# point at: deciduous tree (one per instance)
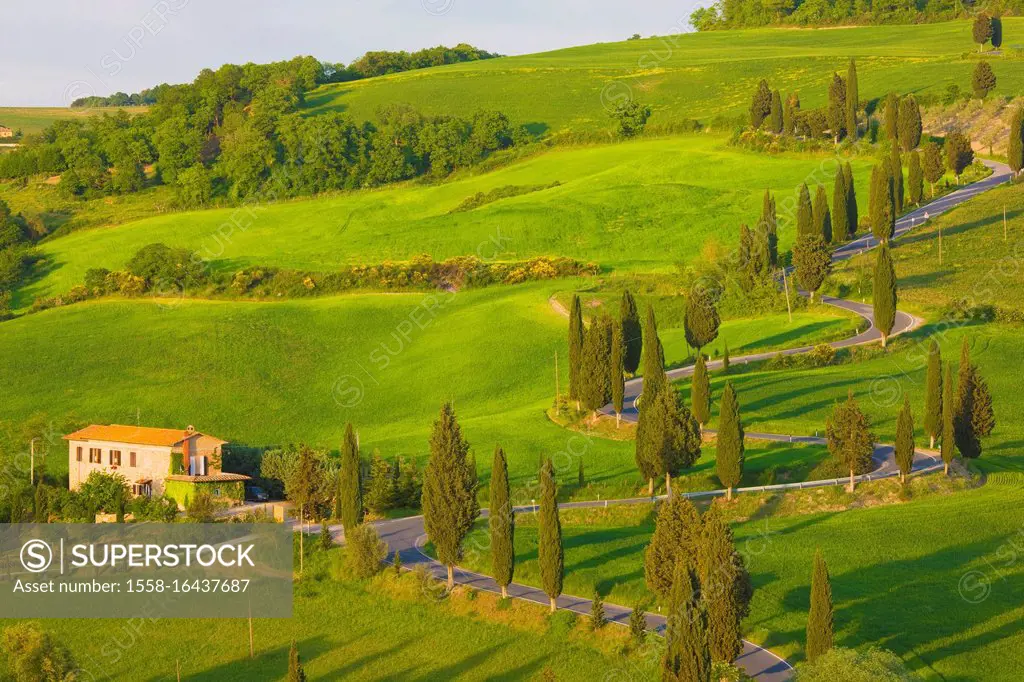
(812, 261)
(959, 153)
(981, 30)
(849, 437)
(983, 80)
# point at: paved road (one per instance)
(406, 536)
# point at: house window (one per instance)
(131, 459)
(115, 458)
(95, 456)
(78, 454)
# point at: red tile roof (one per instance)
(138, 435)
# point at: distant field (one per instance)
(33, 119)
(642, 205)
(696, 75)
(896, 576)
(296, 371)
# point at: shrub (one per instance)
(33, 655)
(873, 665)
(561, 623)
(200, 507)
(365, 551)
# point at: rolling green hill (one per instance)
(697, 75)
(31, 120)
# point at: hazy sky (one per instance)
(54, 51)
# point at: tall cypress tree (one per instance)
(840, 211)
(729, 460)
(701, 320)
(821, 215)
(725, 585)
(654, 382)
(549, 536)
(596, 384)
(760, 105)
(974, 417)
(502, 521)
(449, 491)
(836, 111)
(632, 335)
(849, 437)
(348, 504)
(769, 225)
(819, 618)
(909, 123)
(884, 293)
(700, 392)
(904, 449)
(915, 178)
(896, 166)
(653, 356)
(933, 165)
(615, 371)
(775, 123)
(804, 213)
(668, 437)
(933, 395)
(948, 446)
(676, 536)
(852, 100)
(687, 656)
(851, 201)
(1015, 145)
(576, 336)
(882, 203)
(891, 113)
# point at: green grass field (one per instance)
(30, 120)
(697, 75)
(898, 575)
(642, 206)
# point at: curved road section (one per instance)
(405, 537)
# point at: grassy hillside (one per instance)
(696, 75)
(33, 119)
(898, 574)
(639, 205)
(296, 371)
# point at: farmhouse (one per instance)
(6, 132)
(178, 462)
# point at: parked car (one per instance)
(254, 493)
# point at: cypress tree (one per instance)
(851, 201)
(348, 503)
(295, 670)
(701, 320)
(775, 122)
(973, 418)
(840, 211)
(933, 395)
(668, 438)
(948, 447)
(812, 261)
(915, 179)
(576, 336)
(653, 356)
(836, 112)
(790, 111)
(891, 112)
(596, 382)
(852, 100)
(884, 293)
(958, 152)
(597, 616)
(449, 491)
(997, 32)
(760, 105)
(904, 449)
(849, 438)
(804, 213)
(1015, 145)
(821, 216)
(933, 165)
(700, 392)
(502, 521)
(676, 536)
(615, 371)
(729, 461)
(725, 359)
(882, 202)
(549, 536)
(909, 123)
(581, 480)
(983, 81)
(687, 657)
(768, 225)
(819, 618)
(632, 336)
(896, 166)
(725, 585)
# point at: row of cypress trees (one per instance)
(767, 108)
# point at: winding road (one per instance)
(406, 536)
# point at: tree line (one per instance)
(238, 132)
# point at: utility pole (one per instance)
(32, 460)
(940, 245)
(1004, 222)
(556, 380)
(302, 553)
(252, 650)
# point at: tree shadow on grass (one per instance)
(916, 237)
(272, 661)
